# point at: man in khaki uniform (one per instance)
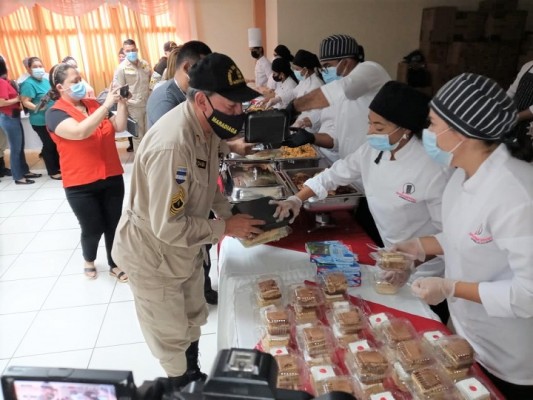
(135, 73)
(161, 235)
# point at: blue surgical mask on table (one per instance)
(37, 73)
(77, 91)
(132, 56)
(380, 141)
(298, 75)
(329, 74)
(429, 139)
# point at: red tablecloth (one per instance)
(347, 230)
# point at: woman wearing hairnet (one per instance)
(487, 229)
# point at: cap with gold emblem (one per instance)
(218, 73)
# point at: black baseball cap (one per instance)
(218, 73)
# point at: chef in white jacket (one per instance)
(282, 74)
(487, 235)
(402, 184)
(263, 68)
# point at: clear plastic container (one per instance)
(393, 260)
(376, 320)
(291, 372)
(431, 383)
(314, 340)
(473, 389)
(334, 286)
(381, 282)
(431, 337)
(305, 296)
(455, 354)
(336, 384)
(369, 366)
(304, 315)
(395, 330)
(346, 321)
(320, 373)
(269, 291)
(277, 320)
(408, 356)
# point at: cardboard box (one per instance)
(437, 24)
(469, 26)
(434, 52)
(508, 27)
(475, 56)
(498, 6)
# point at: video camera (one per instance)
(237, 374)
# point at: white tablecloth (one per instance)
(239, 267)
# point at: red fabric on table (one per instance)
(346, 230)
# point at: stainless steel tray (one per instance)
(336, 202)
(236, 191)
(272, 155)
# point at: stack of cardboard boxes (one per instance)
(487, 42)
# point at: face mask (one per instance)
(381, 141)
(298, 75)
(276, 78)
(77, 91)
(132, 56)
(255, 54)
(330, 74)
(225, 126)
(429, 139)
(37, 73)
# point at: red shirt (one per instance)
(8, 92)
(91, 159)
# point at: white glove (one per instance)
(272, 102)
(293, 203)
(412, 247)
(433, 290)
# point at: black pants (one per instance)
(510, 390)
(97, 206)
(50, 154)
(442, 311)
(207, 263)
(364, 218)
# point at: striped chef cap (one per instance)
(475, 106)
(338, 46)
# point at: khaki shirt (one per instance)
(174, 186)
(138, 79)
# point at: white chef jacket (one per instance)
(326, 124)
(305, 86)
(263, 69)
(351, 97)
(272, 84)
(404, 195)
(487, 237)
(284, 90)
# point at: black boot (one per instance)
(179, 382)
(193, 369)
(130, 147)
(3, 170)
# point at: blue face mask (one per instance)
(329, 74)
(37, 73)
(77, 91)
(381, 142)
(132, 56)
(298, 75)
(429, 139)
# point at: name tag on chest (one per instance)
(201, 163)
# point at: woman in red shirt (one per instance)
(84, 132)
(10, 123)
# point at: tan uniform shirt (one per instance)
(138, 79)
(173, 188)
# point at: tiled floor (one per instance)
(50, 314)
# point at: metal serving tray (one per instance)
(273, 155)
(337, 202)
(253, 187)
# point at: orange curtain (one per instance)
(93, 39)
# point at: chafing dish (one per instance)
(344, 198)
(251, 181)
(281, 157)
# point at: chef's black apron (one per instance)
(523, 99)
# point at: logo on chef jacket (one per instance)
(235, 76)
(407, 192)
(181, 175)
(479, 237)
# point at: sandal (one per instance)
(121, 276)
(90, 272)
(56, 177)
(24, 182)
(32, 175)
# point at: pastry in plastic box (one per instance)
(303, 315)
(393, 260)
(359, 345)
(336, 384)
(431, 337)
(320, 373)
(377, 319)
(369, 366)
(334, 286)
(472, 389)
(349, 321)
(269, 291)
(431, 383)
(267, 236)
(289, 371)
(409, 355)
(381, 282)
(396, 330)
(456, 355)
(276, 320)
(382, 396)
(315, 340)
(279, 351)
(274, 341)
(305, 296)
(365, 390)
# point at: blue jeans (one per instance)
(15, 136)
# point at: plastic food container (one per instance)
(455, 355)
(291, 371)
(268, 291)
(394, 331)
(336, 384)
(381, 284)
(393, 260)
(431, 383)
(369, 366)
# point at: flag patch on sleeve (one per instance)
(181, 175)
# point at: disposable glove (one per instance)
(272, 102)
(285, 207)
(433, 290)
(397, 278)
(412, 247)
(299, 138)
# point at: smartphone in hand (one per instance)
(125, 91)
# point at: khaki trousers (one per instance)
(139, 115)
(168, 296)
(3, 142)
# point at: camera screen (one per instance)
(40, 390)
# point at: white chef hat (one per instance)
(254, 37)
